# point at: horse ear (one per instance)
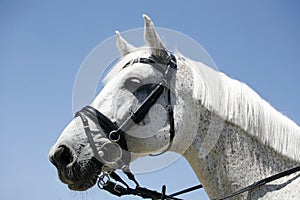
(123, 45)
(153, 40)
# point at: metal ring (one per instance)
(106, 169)
(114, 161)
(113, 134)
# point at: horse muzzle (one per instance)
(62, 158)
(76, 175)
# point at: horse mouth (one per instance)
(81, 176)
(83, 184)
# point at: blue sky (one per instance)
(43, 43)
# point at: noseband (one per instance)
(117, 133)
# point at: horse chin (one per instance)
(81, 175)
(83, 185)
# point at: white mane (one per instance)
(237, 103)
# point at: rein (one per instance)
(116, 135)
(118, 190)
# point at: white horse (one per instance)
(230, 136)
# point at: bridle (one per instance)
(116, 134)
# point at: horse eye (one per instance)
(132, 84)
(144, 91)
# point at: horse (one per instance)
(155, 101)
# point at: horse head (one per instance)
(131, 117)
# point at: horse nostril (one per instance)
(62, 157)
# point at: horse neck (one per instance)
(229, 158)
(223, 155)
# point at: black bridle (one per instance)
(116, 134)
